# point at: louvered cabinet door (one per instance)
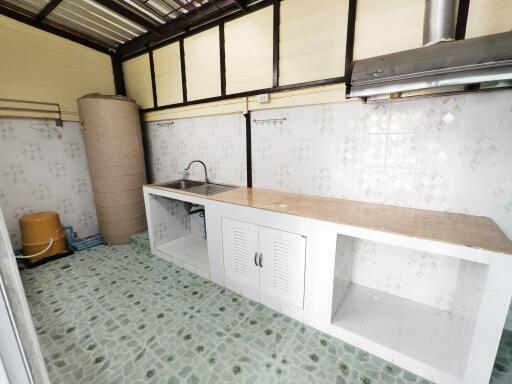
(283, 258)
(240, 244)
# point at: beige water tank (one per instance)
(113, 144)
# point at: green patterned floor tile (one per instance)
(117, 314)
(369, 369)
(502, 372)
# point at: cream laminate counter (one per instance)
(454, 228)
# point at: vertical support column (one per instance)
(222, 51)
(153, 81)
(117, 71)
(462, 20)
(183, 73)
(276, 38)
(248, 148)
(349, 49)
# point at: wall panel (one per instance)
(39, 66)
(43, 167)
(486, 17)
(313, 39)
(217, 140)
(249, 51)
(202, 64)
(389, 26)
(168, 74)
(137, 78)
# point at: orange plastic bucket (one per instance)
(38, 230)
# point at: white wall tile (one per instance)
(43, 167)
(443, 153)
(219, 141)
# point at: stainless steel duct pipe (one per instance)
(439, 21)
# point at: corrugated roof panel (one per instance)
(105, 12)
(88, 21)
(182, 7)
(70, 23)
(34, 6)
(143, 10)
(91, 18)
(108, 23)
(160, 6)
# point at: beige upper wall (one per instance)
(167, 66)
(249, 51)
(39, 66)
(312, 46)
(137, 80)
(202, 64)
(388, 26)
(312, 40)
(486, 17)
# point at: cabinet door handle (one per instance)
(261, 260)
(255, 258)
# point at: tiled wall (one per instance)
(43, 167)
(441, 153)
(217, 140)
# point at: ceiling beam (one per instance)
(31, 20)
(50, 6)
(200, 18)
(128, 14)
(242, 4)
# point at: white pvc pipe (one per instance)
(38, 253)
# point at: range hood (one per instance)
(439, 63)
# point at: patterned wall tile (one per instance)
(441, 153)
(218, 140)
(444, 113)
(407, 116)
(402, 150)
(43, 167)
(394, 270)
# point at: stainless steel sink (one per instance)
(199, 187)
(182, 184)
(208, 189)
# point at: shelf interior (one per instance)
(428, 335)
(191, 248)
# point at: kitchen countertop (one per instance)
(454, 228)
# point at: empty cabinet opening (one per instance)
(179, 233)
(420, 305)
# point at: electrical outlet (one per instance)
(263, 98)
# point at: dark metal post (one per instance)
(276, 38)
(349, 49)
(222, 50)
(117, 70)
(153, 81)
(183, 73)
(462, 20)
(248, 147)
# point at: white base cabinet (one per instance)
(269, 261)
(269, 266)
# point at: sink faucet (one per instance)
(186, 172)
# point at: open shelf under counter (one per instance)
(190, 250)
(412, 334)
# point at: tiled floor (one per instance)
(119, 315)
